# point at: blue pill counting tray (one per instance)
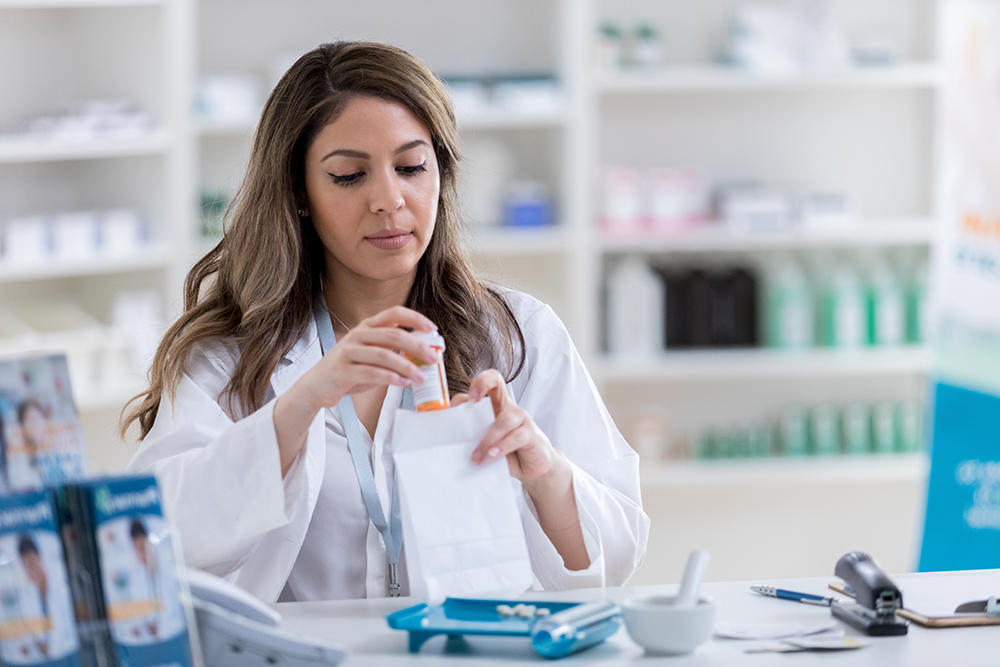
(564, 631)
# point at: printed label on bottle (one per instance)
(433, 390)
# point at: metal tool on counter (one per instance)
(990, 607)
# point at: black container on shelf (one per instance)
(710, 308)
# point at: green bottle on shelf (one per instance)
(857, 427)
(794, 427)
(824, 428)
(911, 426)
(760, 440)
(885, 428)
(790, 307)
(916, 305)
(844, 311)
(887, 323)
(704, 445)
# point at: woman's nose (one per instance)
(387, 195)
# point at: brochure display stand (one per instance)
(962, 527)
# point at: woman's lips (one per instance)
(390, 240)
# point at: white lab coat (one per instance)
(222, 485)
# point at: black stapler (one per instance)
(876, 598)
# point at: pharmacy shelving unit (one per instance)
(867, 130)
(65, 52)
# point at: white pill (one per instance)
(543, 611)
(505, 610)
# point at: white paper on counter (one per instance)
(461, 524)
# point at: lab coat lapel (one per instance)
(266, 572)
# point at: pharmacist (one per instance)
(348, 211)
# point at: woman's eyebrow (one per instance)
(347, 152)
(412, 144)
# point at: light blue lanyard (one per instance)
(392, 534)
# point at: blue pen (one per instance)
(805, 598)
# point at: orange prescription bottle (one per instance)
(432, 394)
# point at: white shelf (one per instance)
(717, 238)
(695, 365)
(506, 120)
(20, 149)
(708, 78)
(153, 257)
(74, 4)
(781, 471)
(524, 241)
(237, 130)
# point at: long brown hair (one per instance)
(266, 269)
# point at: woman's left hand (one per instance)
(544, 472)
(530, 456)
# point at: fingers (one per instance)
(379, 357)
(496, 442)
(490, 383)
(392, 339)
(458, 399)
(400, 316)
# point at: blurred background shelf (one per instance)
(18, 149)
(527, 241)
(152, 258)
(225, 129)
(691, 79)
(75, 4)
(718, 365)
(787, 471)
(717, 238)
(505, 120)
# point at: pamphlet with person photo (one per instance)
(41, 441)
(37, 626)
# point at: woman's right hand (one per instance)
(367, 356)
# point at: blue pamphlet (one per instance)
(132, 551)
(36, 608)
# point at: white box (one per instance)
(26, 241)
(75, 236)
(123, 232)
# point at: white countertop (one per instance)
(360, 626)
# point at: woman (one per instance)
(347, 218)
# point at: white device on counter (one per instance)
(238, 630)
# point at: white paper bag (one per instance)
(461, 524)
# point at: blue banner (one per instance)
(962, 528)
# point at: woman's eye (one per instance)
(347, 179)
(412, 170)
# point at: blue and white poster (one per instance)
(962, 524)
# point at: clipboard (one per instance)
(956, 621)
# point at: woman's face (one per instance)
(372, 181)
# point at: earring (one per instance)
(302, 214)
